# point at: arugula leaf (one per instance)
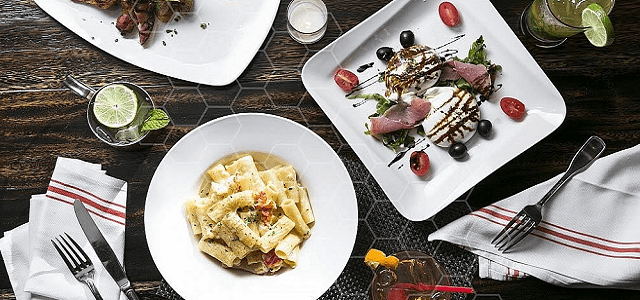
(463, 84)
(392, 140)
(375, 96)
(383, 103)
(420, 130)
(477, 53)
(396, 139)
(157, 119)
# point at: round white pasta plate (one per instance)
(194, 274)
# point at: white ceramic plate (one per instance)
(416, 198)
(193, 274)
(216, 55)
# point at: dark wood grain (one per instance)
(41, 120)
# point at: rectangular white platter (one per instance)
(521, 77)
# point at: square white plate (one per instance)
(215, 55)
(417, 198)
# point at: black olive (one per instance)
(457, 150)
(384, 53)
(484, 128)
(407, 38)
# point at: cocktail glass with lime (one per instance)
(118, 113)
(550, 22)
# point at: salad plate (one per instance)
(195, 275)
(212, 45)
(418, 198)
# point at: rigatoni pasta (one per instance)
(251, 213)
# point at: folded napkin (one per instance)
(35, 269)
(589, 236)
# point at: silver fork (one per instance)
(528, 218)
(77, 261)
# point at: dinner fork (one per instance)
(78, 263)
(528, 218)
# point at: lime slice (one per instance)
(115, 106)
(600, 32)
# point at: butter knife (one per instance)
(103, 250)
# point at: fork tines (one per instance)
(72, 254)
(518, 228)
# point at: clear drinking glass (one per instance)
(550, 22)
(414, 267)
(306, 20)
(126, 137)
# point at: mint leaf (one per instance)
(157, 119)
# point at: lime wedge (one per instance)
(600, 32)
(115, 106)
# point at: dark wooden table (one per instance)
(40, 119)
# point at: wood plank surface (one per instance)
(41, 119)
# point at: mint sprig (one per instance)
(157, 119)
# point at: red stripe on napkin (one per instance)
(587, 243)
(87, 201)
(563, 228)
(88, 193)
(97, 214)
(562, 236)
(585, 250)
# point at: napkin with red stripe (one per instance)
(589, 236)
(35, 269)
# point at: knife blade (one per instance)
(103, 250)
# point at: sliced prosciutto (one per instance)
(477, 75)
(449, 72)
(401, 116)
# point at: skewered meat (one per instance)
(164, 11)
(142, 14)
(101, 4)
(144, 17)
(166, 8)
(138, 14)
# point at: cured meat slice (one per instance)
(401, 116)
(477, 75)
(448, 72)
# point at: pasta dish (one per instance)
(251, 213)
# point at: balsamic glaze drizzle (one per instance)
(360, 103)
(360, 86)
(402, 153)
(362, 68)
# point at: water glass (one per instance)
(306, 20)
(126, 137)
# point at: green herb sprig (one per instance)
(157, 119)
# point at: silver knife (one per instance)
(103, 250)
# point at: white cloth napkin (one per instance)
(35, 269)
(589, 236)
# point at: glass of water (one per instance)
(127, 136)
(306, 20)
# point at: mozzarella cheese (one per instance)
(412, 70)
(453, 118)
